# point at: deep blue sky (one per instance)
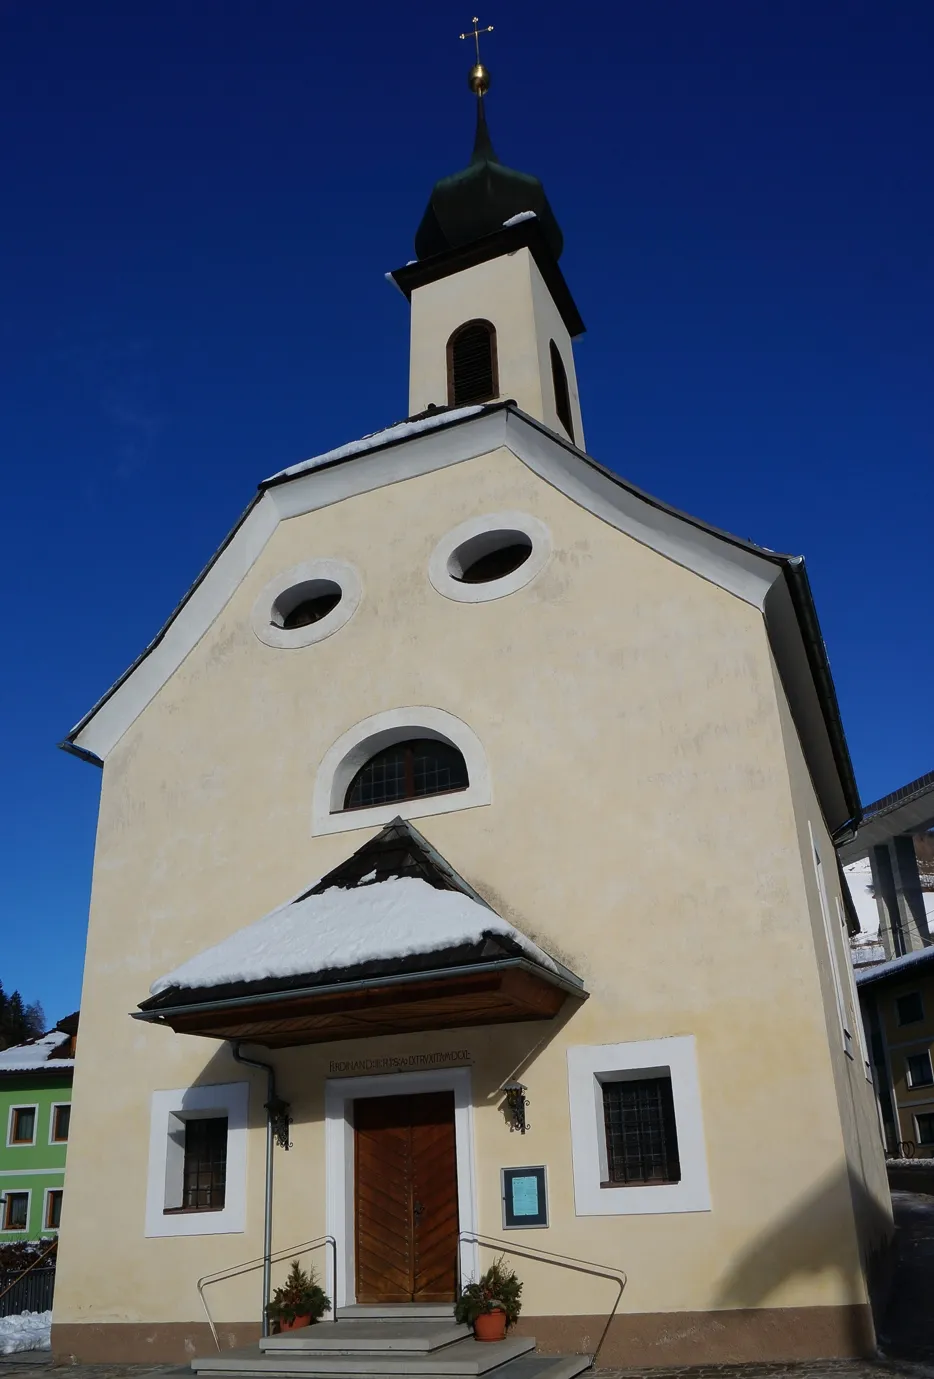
(200, 201)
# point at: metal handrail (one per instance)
(579, 1266)
(252, 1264)
(29, 1268)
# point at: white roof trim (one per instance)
(735, 568)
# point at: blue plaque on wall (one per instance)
(525, 1197)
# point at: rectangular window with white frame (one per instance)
(21, 1126)
(197, 1161)
(637, 1134)
(59, 1122)
(52, 1209)
(14, 1215)
(918, 1069)
(924, 1129)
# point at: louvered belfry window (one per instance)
(641, 1139)
(559, 378)
(472, 371)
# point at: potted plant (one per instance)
(300, 1302)
(492, 1303)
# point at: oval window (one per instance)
(305, 604)
(491, 555)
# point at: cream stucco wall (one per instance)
(645, 826)
(511, 293)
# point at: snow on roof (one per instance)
(37, 1053)
(399, 917)
(893, 966)
(400, 432)
(518, 219)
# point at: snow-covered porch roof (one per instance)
(391, 941)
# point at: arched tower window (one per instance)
(472, 371)
(408, 771)
(559, 380)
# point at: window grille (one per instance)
(205, 1172)
(15, 1211)
(61, 1122)
(559, 378)
(472, 370)
(407, 771)
(23, 1129)
(641, 1139)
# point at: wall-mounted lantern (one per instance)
(280, 1121)
(516, 1101)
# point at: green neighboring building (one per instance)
(35, 1111)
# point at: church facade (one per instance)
(466, 859)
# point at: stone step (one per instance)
(372, 1311)
(411, 1334)
(464, 1359)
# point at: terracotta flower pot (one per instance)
(490, 1326)
(295, 1323)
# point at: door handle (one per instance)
(417, 1211)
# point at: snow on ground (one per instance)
(395, 918)
(25, 1331)
(401, 432)
(36, 1054)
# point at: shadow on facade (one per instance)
(810, 1240)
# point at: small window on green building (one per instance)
(61, 1119)
(53, 1209)
(15, 1211)
(22, 1125)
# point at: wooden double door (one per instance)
(406, 1226)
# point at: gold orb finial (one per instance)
(478, 78)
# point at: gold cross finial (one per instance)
(475, 33)
(479, 79)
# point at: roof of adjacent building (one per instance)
(896, 968)
(907, 810)
(47, 1053)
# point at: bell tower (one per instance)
(491, 314)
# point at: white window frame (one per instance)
(845, 1031)
(854, 996)
(45, 1228)
(589, 1066)
(925, 1053)
(14, 1192)
(354, 748)
(922, 1144)
(23, 1144)
(52, 1109)
(169, 1112)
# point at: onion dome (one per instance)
(478, 200)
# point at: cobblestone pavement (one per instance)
(906, 1334)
